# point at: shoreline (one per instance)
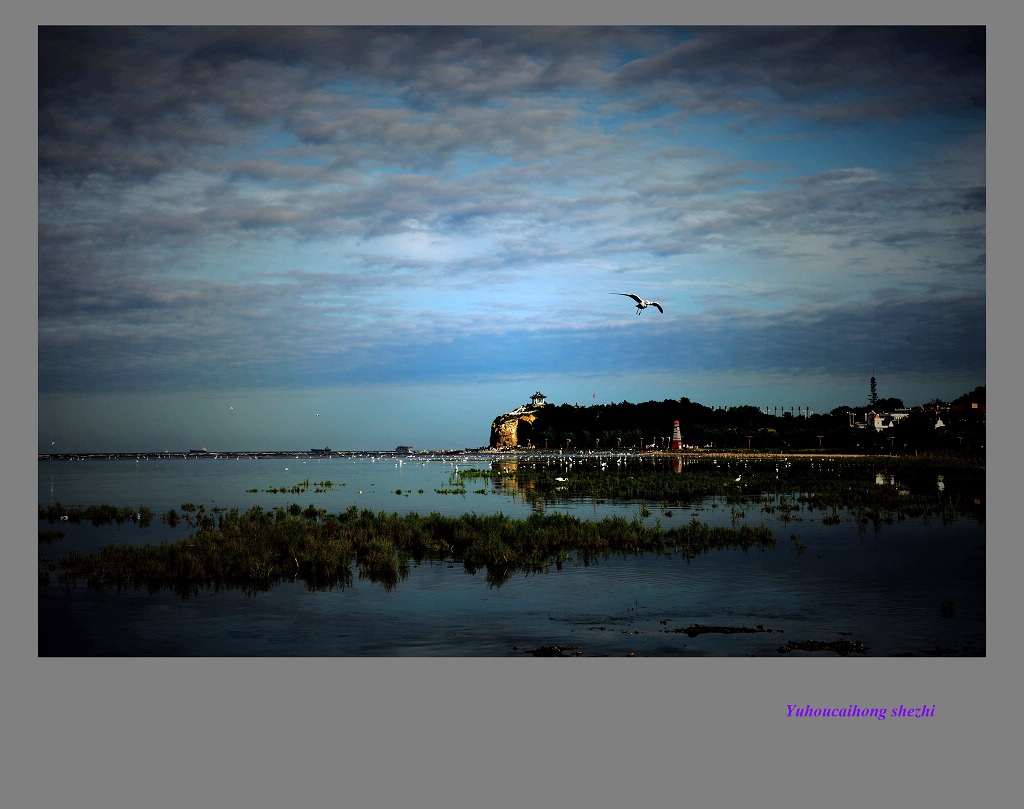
(710, 453)
(707, 453)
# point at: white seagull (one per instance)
(641, 304)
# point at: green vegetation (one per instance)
(299, 488)
(255, 549)
(97, 515)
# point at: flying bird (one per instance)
(641, 304)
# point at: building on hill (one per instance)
(538, 399)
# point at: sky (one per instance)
(284, 238)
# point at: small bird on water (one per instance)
(641, 304)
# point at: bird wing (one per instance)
(655, 303)
(628, 295)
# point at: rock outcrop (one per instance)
(505, 428)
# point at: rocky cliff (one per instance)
(505, 428)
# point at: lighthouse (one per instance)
(677, 438)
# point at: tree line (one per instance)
(650, 424)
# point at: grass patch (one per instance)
(97, 515)
(256, 549)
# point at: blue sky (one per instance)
(408, 231)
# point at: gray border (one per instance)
(492, 732)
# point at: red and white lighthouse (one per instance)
(677, 438)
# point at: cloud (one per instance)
(840, 75)
(269, 208)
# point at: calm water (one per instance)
(883, 588)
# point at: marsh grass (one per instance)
(299, 488)
(104, 514)
(256, 549)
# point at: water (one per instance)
(883, 588)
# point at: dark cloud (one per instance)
(137, 101)
(862, 72)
